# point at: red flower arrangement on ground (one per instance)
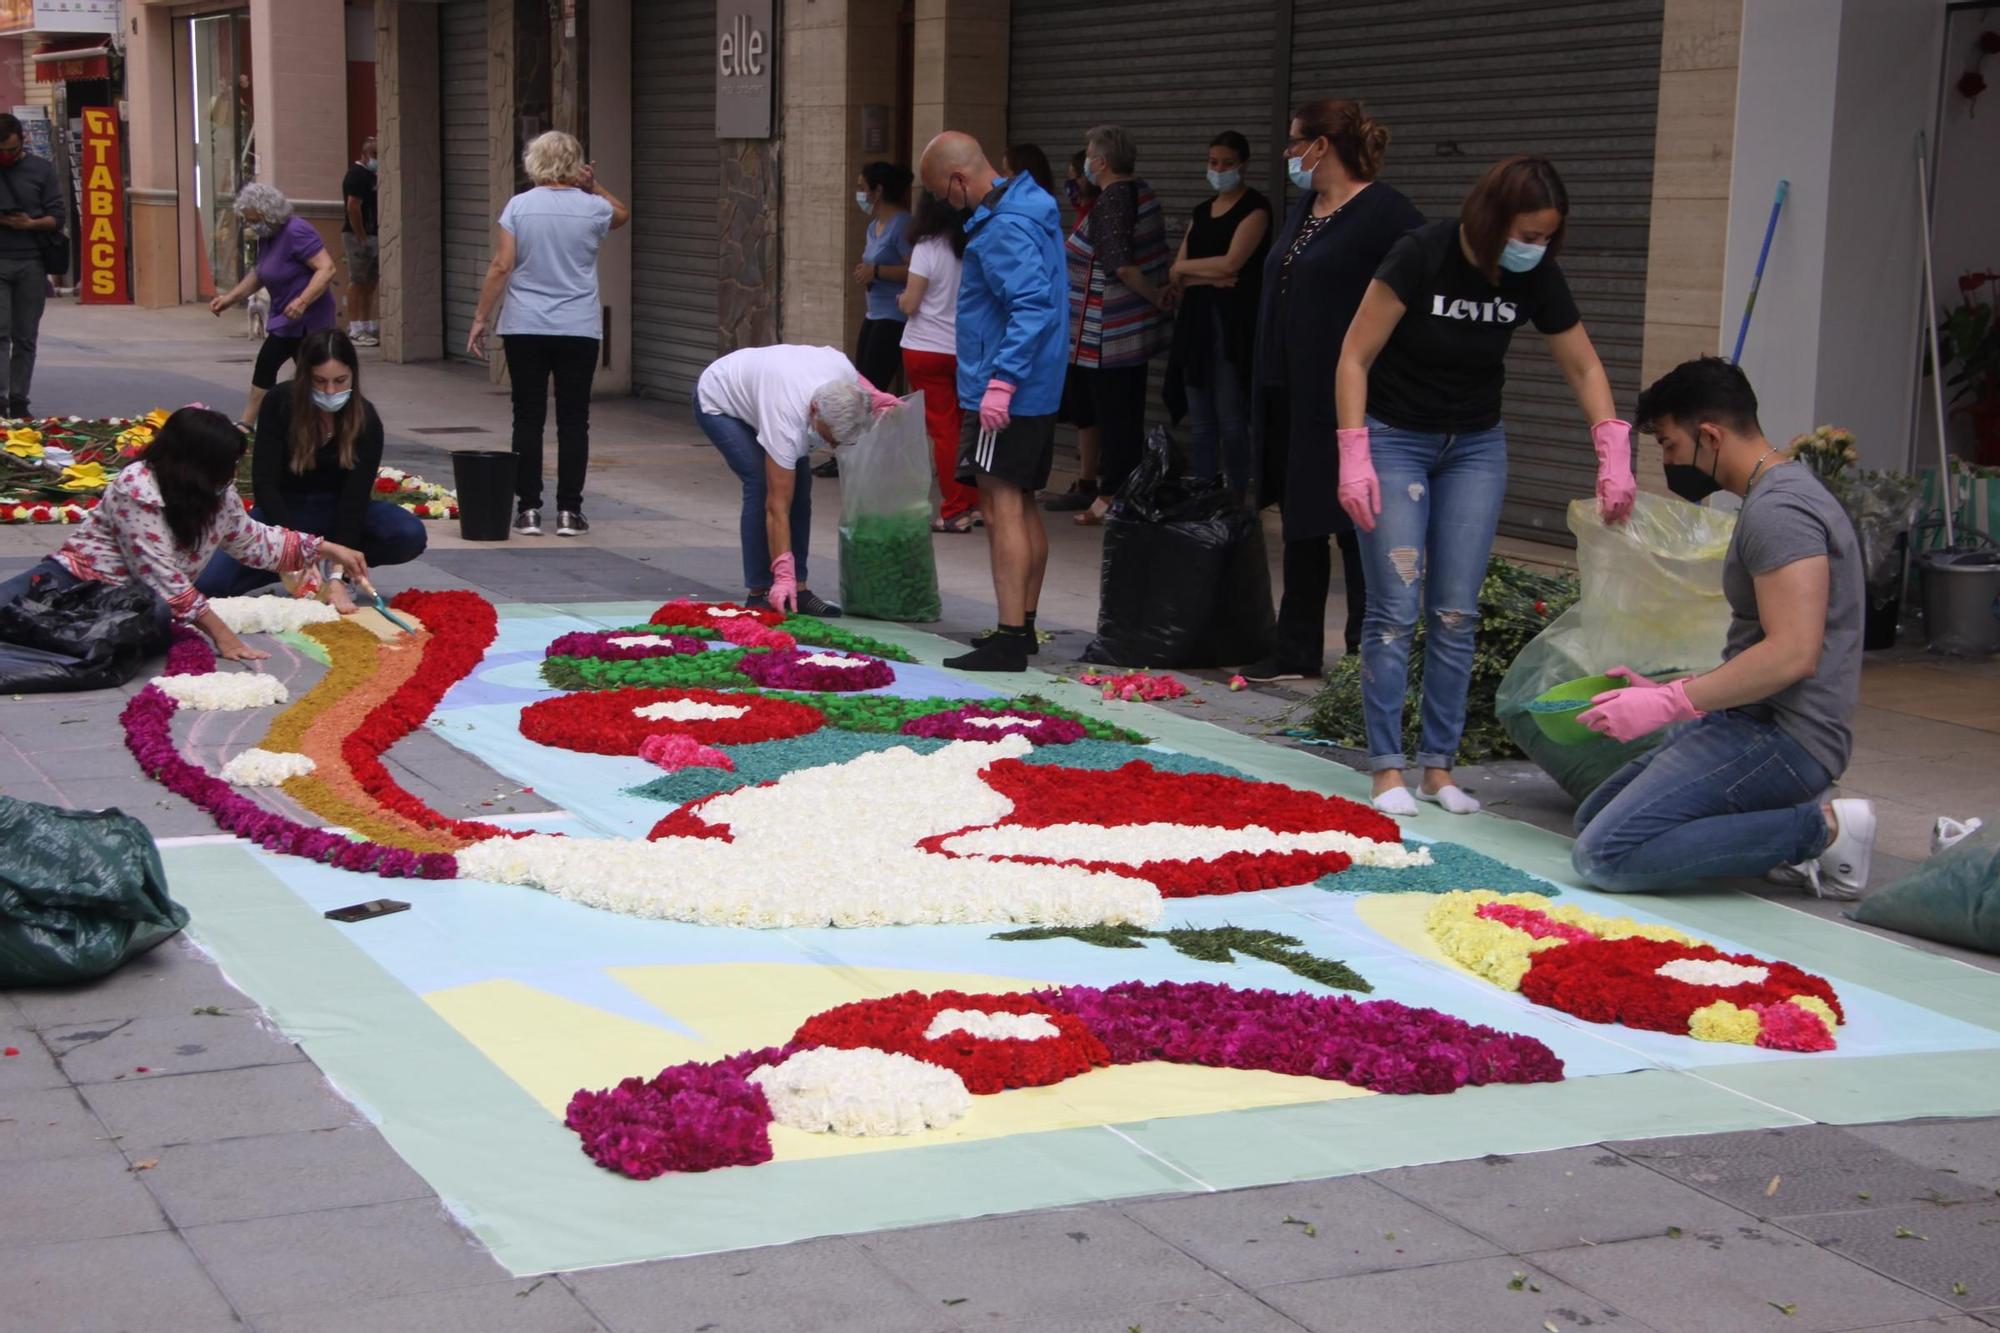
(713, 615)
(619, 721)
(975, 723)
(816, 670)
(899, 1023)
(604, 645)
(696, 1117)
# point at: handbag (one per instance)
(53, 246)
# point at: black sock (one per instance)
(1030, 619)
(1006, 649)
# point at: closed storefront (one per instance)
(1459, 83)
(465, 136)
(675, 181)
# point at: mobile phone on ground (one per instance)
(363, 911)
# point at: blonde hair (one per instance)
(553, 158)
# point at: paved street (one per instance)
(240, 1190)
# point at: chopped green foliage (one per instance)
(1217, 944)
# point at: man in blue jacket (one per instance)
(1013, 306)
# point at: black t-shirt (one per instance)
(359, 183)
(1445, 364)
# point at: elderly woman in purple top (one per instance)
(293, 266)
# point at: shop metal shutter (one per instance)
(676, 177)
(1173, 73)
(1463, 83)
(465, 138)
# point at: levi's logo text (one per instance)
(1482, 312)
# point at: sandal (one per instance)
(1089, 518)
(956, 523)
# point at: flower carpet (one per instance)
(802, 934)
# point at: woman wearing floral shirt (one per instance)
(161, 519)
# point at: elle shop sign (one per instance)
(746, 62)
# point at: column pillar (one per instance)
(606, 112)
(410, 204)
(298, 58)
(960, 75)
(153, 130)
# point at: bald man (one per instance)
(1013, 304)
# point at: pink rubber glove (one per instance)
(1626, 715)
(1360, 491)
(878, 402)
(784, 593)
(1633, 680)
(996, 409)
(1612, 439)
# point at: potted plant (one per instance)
(1882, 506)
(1969, 341)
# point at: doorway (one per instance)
(225, 146)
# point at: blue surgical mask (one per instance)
(1520, 257)
(1088, 174)
(373, 164)
(331, 402)
(1224, 181)
(861, 201)
(1295, 167)
(263, 231)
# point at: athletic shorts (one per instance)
(1021, 455)
(1079, 404)
(364, 258)
(275, 356)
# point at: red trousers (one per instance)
(936, 374)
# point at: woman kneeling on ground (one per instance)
(766, 409)
(161, 519)
(1738, 791)
(319, 448)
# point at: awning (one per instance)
(60, 61)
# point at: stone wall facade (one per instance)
(748, 213)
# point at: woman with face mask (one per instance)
(1423, 453)
(882, 192)
(1317, 268)
(318, 450)
(295, 271)
(161, 519)
(1218, 275)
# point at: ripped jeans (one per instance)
(1441, 499)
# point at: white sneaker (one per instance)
(1843, 866)
(1947, 833)
(1801, 876)
(1397, 801)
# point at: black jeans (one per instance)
(878, 352)
(1302, 610)
(532, 359)
(1118, 398)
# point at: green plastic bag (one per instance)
(887, 570)
(1651, 600)
(1953, 898)
(81, 891)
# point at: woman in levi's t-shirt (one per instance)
(930, 348)
(1423, 452)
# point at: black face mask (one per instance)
(1690, 482)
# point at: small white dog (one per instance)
(258, 307)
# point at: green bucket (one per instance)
(1555, 710)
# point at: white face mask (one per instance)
(861, 201)
(331, 402)
(1224, 181)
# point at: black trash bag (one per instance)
(1185, 582)
(81, 891)
(89, 636)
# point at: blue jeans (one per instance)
(1727, 795)
(390, 535)
(1441, 499)
(1219, 417)
(737, 441)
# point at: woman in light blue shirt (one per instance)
(882, 191)
(545, 261)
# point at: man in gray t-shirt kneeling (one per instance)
(1738, 792)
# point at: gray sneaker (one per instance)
(571, 523)
(528, 522)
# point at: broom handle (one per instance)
(1757, 279)
(1946, 498)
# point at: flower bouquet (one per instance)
(1883, 506)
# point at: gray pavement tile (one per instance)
(1084, 1260)
(310, 1260)
(230, 1104)
(1546, 1201)
(31, 1067)
(82, 768)
(1818, 1168)
(1955, 1323)
(120, 1284)
(1735, 1281)
(1968, 1148)
(173, 977)
(1447, 1298)
(25, 785)
(1952, 1252)
(49, 1124)
(275, 1174)
(183, 1042)
(1317, 1229)
(525, 1305)
(1232, 1312)
(828, 1286)
(75, 1198)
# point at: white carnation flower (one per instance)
(688, 710)
(1712, 972)
(999, 1027)
(266, 768)
(223, 691)
(271, 615)
(861, 1092)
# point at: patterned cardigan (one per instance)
(126, 538)
(1110, 325)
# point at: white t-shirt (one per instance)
(553, 289)
(770, 390)
(934, 328)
